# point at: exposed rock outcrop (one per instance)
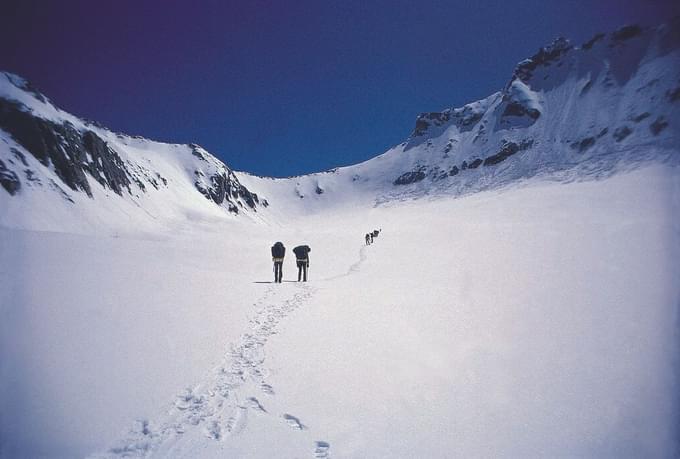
(9, 180)
(62, 147)
(79, 154)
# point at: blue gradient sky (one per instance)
(284, 88)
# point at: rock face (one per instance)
(60, 146)
(225, 188)
(106, 166)
(621, 133)
(77, 152)
(410, 177)
(8, 179)
(507, 149)
(220, 184)
(605, 101)
(520, 107)
(425, 120)
(545, 57)
(465, 118)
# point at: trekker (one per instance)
(368, 239)
(302, 259)
(278, 253)
(375, 233)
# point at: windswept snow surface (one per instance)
(537, 320)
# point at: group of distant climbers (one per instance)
(301, 258)
(372, 235)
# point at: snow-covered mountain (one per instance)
(568, 111)
(60, 172)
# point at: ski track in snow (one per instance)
(219, 406)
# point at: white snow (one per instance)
(528, 308)
(13, 87)
(540, 320)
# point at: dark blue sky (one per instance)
(282, 88)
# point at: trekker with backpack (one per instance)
(278, 253)
(302, 259)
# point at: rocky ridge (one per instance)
(81, 152)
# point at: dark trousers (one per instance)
(302, 270)
(278, 271)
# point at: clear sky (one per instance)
(287, 87)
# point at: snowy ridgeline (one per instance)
(61, 173)
(537, 321)
(567, 113)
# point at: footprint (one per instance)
(237, 421)
(185, 400)
(267, 389)
(294, 422)
(322, 449)
(214, 430)
(255, 404)
(142, 426)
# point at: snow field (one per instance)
(540, 320)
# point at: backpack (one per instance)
(301, 251)
(278, 250)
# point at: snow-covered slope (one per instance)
(567, 113)
(61, 173)
(534, 321)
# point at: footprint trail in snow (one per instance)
(219, 406)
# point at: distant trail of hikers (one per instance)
(301, 259)
(372, 235)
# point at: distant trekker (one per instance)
(278, 253)
(368, 238)
(302, 259)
